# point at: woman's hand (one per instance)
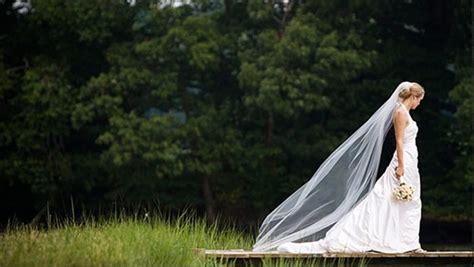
(399, 172)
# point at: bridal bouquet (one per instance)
(404, 192)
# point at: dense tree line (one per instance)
(224, 107)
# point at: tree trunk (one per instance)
(269, 142)
(209, 199)
(227, 8)
(269, 132)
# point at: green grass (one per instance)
(116, 242)
(128, 241)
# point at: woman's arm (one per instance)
(400, 121)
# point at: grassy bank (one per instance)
(124, 241)
(116, 242)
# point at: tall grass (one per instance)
(119, 241)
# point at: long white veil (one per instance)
(341, 181)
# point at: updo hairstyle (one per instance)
(415, 89)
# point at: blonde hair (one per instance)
(415, 89)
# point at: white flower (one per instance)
(404, 192)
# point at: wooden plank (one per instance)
(464, 254)
(242, 258)
(240, 253)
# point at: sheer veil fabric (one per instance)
(338, 185)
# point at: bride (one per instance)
(341, 208)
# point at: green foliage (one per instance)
(460, 178)
(226, 109)
(37, 131)
(140, 240)
(260, 11)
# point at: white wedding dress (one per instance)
(379, 222)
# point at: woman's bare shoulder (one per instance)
(400, 113)
(400, 117)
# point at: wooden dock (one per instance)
(431, 258)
